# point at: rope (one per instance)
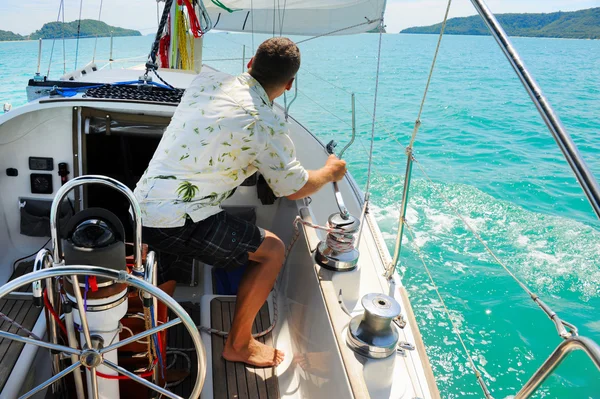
(454, 326)
(150, 345)
(151, 64)
(144, 374)
(368, 188)
(78, 31)
(437, 49)
(369, 21)
(53, 313)
(204, 14)
(409, 149)
(158, 343)
(182, 42)
(18, 326)
(193, 20)
(162, 80)
(178, 352)
(560, 325)
(224, 7)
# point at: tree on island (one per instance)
(583, 24)
(68, 30)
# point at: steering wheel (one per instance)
(92, 357)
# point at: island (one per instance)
(68, 30)
(583, 24)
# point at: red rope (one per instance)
(194, 23)
(99, 374)
(54, 314)
(124, 377)
(163, 50)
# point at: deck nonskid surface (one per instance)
(237, 380)
(179, 338)
(22, 312)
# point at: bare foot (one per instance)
(254, 354)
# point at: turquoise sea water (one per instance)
(486, 150)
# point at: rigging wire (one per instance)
(157, 13)
(368, 188)
(63, 40)
(99, 19)
(437, 50)
(560, 324)
(367, 22)
(282, 16)
(252, 22)
(409, 151)
(326, 81)
(335, 116)
(478, 375)
(274, 9)
(60, 7)
(362, 105)
(78, 32)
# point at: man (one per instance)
(224, 130)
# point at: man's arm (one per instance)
(334, 170)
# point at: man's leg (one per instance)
(253, 291)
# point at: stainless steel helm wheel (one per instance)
(92, 358)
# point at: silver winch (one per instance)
(337, 252)
(373, 334)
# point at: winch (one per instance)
(373, 333)
(337, 252)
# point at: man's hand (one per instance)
(336, 167)
(334, 170)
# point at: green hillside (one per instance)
(583, 24)
(89, 28)
(9, 36)
(68, 30)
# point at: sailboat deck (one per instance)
(179, 338)
(236, 380)
(21, 311)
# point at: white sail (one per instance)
(296, 17)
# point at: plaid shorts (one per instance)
(222, 240)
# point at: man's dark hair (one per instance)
(276, 62)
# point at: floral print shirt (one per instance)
(223, 131)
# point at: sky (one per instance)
(25, 17)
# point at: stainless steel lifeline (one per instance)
(586, 179)
(556, 358)
(584, 176)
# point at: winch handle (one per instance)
(330, 147)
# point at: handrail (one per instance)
(584, 176)
(103, 180)
(556, 358)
